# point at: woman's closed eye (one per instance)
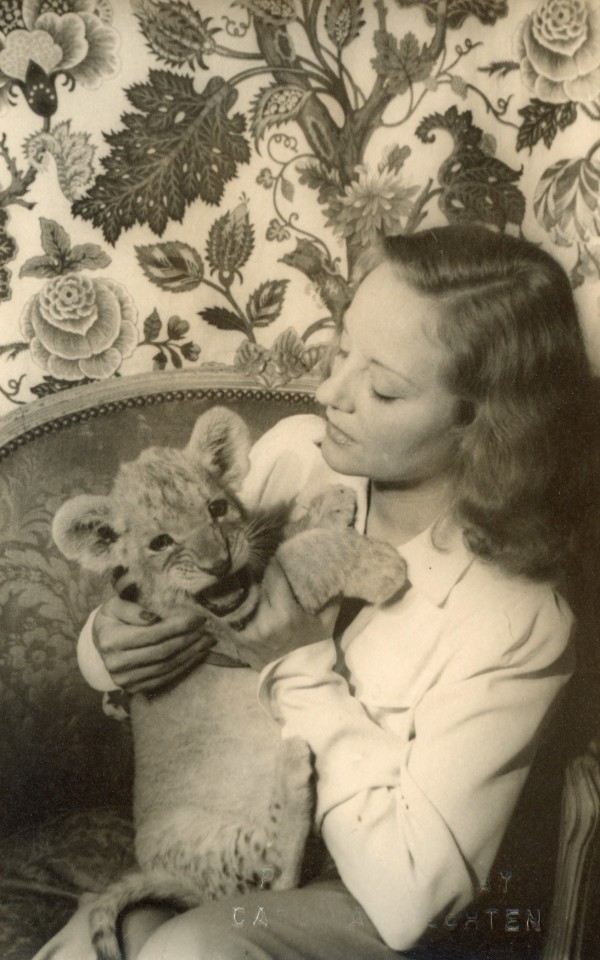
(385, 388)
(384, 398)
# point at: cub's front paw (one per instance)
(381, 572)
(334, 507)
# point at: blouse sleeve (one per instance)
(414, 824)
(89, 660)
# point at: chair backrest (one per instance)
(58, 751)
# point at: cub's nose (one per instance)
(219, 568)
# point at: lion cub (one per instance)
(221, 804)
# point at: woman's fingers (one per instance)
(128, 612)
(73, 942)
(157, 649)
(180, 656)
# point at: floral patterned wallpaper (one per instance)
(188, 183)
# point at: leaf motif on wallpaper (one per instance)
(73, 154)
(565, 201)
(177, 328)
(287, 359)
(41, 581)
(59, 257)
(474, 186)
(266, 303)
(223, 319)
(542, 121)
(180, 146)
(486, 11)
(49, 385)
(318, 266)
(276, 104)
(8, 252)
(174, 265)
(230, 243)
(152, 326)
(325, 180)
(400, 63)
(175, 32)
(394, 158)
(271, 11)
(565, 204)
(5, 287)
(500, 68)
(169, 348)
(254, 360)
(343, 21)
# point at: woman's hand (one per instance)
(280, 624)
(143, 653)
(73, 941)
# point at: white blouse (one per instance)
(422, 751)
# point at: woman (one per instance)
(454, 406)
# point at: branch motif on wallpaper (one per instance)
(185, 138)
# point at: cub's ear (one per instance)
(220, 443)
(84, 530)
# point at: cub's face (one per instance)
(173, 532)
(181, 535)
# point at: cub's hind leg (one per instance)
(291, 810)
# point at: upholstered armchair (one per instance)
(65, 761)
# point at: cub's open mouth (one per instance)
(227, 594)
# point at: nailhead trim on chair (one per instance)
(298, 398)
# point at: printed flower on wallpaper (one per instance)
(374, 202)
(320, 108)
(559, 50)
(80, 327)
(566, 205)
(46, 38)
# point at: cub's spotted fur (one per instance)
(221, 805)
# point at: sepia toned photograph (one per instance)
(299, 479)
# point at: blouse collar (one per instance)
(433, 569)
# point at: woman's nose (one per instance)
(336, 391)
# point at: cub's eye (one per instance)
(161, 542)
(218, 508)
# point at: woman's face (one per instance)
(389, 415)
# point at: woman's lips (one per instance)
(338, 436)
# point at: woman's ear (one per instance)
(220, 443)
(84, 530)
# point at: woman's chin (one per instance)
(340, 457)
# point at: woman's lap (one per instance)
(321, 921)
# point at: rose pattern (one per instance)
(558, 47)
(79, 327)
(79, 43)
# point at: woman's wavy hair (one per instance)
(520, 370)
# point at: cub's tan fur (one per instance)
(221, 805)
